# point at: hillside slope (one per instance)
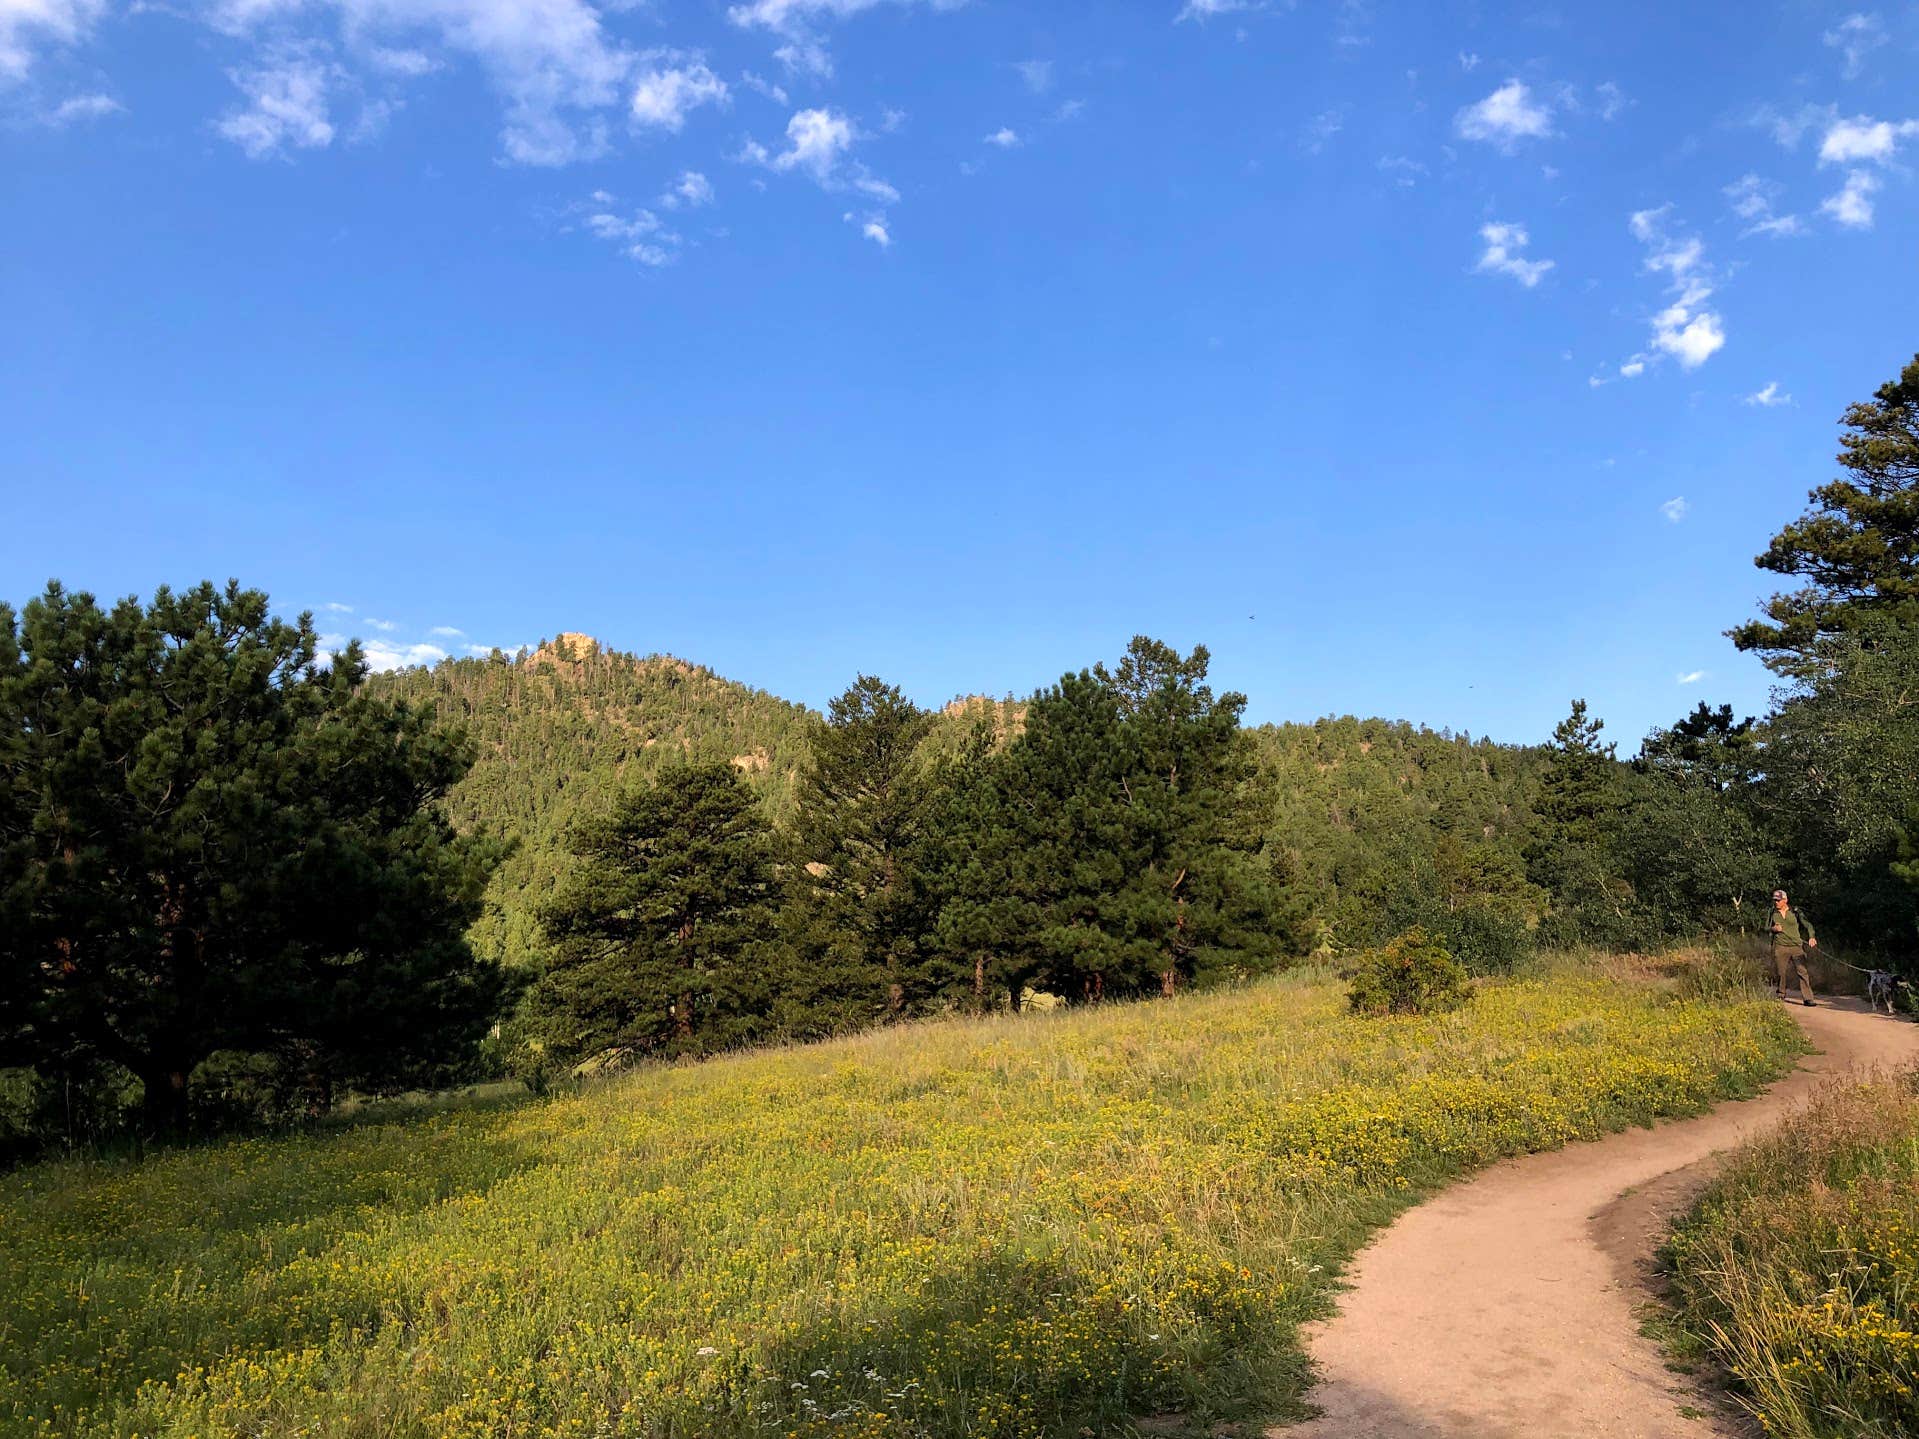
(563, 728)
(1358, 807)
(1024, 1226)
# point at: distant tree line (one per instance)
(235, 880)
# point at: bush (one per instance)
(1414, 974)
(1486, 936)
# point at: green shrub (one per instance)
(1486, 936)
(1414, 974)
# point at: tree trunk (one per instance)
(163, 1102)
(979, 982)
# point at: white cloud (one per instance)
(1856, 37)
(383, 656)
(1685, 329)
(386, 626)
(1003, 137)
(1468, 61)
(1037, 74)
(691, 190)
(1769, 396)
(410, 64)
(447, 632)
(1632, 369)
(1675, 509)
(1851, 206)
(1787, 127)
(818, 143)
(1691, 677)
(775, 93)
(79, 108)
(1505, 117)
(1863, 138)
(26, 24)
(1321, 129)
(336, 608)
(1752, 200)
(1502, 256)
(1403, 168)
(286, 107)
(1612, 100)
(872, 227)
(796, 22)
(639, 236)
(549, 60)
(671, 85)
(1206, 9)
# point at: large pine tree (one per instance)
(860, 908)
(659, 934)
(1857, 548)
(210, 842)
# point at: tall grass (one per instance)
(1799, 1269)
(1033, 1226)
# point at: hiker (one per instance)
(1792, 936)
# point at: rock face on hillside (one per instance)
(569, 647)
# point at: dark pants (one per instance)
(1790, 960)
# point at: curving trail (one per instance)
(1504, 1308)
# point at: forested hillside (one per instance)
(562, 729)
(1362, 816)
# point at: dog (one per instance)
(1882, 987)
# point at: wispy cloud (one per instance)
(1768, 397)
(671, 86)
(1856, 37)
(1036, 74)
(1504, 118)
(447, 632)
(1851, 205)
(26, 25)
(1686, 329)
(691, 191)
(1752, 200)
(637, 233)
(78, 109)
(1504, 255)
(285, 105)
(1320, 130)
(1004, 138)
(1207, 9)
(1692, 677)
(1675, 509)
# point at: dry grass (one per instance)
(1799, 1270)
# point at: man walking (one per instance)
(1792, 936)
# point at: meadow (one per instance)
(1798, 1272)
(1034, 1226)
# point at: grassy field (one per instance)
(1032, 1226)
(1799, 1271)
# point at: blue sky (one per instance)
(1434, 361)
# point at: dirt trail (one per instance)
(1504, 1308)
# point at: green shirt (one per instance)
(1790, 928)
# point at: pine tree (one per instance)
(1567, 856)
(212, 843)
(860, 909)
(1127, 864)
(660, 934)
(1858, 546)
